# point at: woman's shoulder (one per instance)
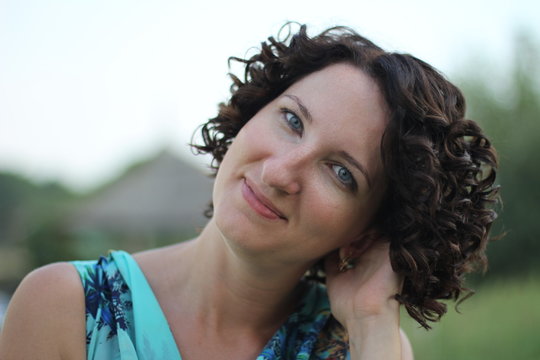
(155, 263)
(46, 316)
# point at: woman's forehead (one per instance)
(340, 86)
(342, 93)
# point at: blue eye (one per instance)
(293, 121)
(343, 174)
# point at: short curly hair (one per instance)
(438, 207)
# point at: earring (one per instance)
(346, 264)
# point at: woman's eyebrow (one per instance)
(301, 106)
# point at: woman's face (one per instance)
(304, 175)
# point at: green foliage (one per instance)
(500, 322)
(26, 209)
(50, 242)
(25, 205)
(509, 111)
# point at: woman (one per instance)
(336, 160)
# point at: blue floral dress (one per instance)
(124, 320)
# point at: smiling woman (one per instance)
(305, 173)
(348, 182)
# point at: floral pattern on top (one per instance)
(106, 296)
(124, 320)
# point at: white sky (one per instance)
(87, 87)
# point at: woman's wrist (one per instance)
(375, 336)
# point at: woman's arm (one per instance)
(362, 300)
(46, 316)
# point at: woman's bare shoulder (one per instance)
(154, 261)
(46, 316)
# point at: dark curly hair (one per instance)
(438, 207)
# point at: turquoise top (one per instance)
(124, 319)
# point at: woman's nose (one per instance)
(284, 172)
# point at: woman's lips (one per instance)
(259, 203)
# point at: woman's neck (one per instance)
(224, 290)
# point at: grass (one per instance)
(501, 321)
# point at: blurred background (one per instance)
(99, 99)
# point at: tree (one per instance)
(510, 112)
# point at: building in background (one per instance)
(153, 203)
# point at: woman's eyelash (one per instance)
(293, 120)
(344, 176)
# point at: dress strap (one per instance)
(123, 317)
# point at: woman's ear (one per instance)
(352, 251)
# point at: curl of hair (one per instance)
(438, 207)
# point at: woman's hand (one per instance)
(362, 300)
(368, 288)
